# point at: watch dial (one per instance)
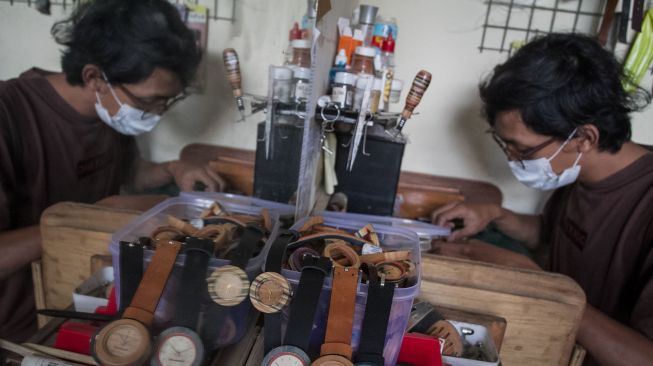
(178, 350)
(286, 359)
(271, 292)
(124, 340)
(228, 286)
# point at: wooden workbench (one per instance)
(542, 310)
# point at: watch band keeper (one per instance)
(340, 349)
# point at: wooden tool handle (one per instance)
(232, 67)
(420, 84)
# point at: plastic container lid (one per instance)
(367, 14)
(345, 78)
(365, 51)
(302, 73)
(378, 84)
(282, 73)
(300, 43)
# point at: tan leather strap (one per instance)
(182, 225)
(154, 280)
(310, 222)
(329, 235)
(267, 220)
(375, 258)
(337, 340)
(339, 250)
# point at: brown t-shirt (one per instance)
(48, 153)
(601, 235)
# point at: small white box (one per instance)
(481, 334)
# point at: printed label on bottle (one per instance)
(339, 95)
(302, 90)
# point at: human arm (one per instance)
(477, 216)
(184, 173)
(613, 343)
(18, 248)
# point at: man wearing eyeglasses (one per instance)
(70, 136)
(559, 112)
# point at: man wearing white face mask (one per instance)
(69, 136)
(559, 112)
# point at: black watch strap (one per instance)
(252, 234)
(193, 280)
(273, 263)
(304, 303)
(375, 322)
(131, 271)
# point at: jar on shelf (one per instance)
(301, 52)
(302, 82)
(282, 84)
(342, 92)
(363, 60)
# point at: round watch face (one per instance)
(332, 360)
(228, 285)
(178, 346)
(124, 342)
(286, 356)
(269, 292)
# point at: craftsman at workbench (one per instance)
(69, 136)
(559, 111)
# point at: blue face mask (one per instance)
(128, 120)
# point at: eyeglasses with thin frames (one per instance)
(514, 155)
(153, 108)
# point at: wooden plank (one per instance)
(542, 310)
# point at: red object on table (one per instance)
(420, 350)
(112, 306)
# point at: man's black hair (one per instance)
(127, 39)
(561, 81)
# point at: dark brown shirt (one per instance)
(601, 235)
(48, 153)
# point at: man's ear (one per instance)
(587, 138)
(93, 79)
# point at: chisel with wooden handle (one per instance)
(232, 67)
(420, 84)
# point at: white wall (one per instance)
(441, 36)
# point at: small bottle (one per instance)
(295, 33)
(366, 20)
(363, 60)
(395, 90)
(302, 81)
(282, 84)
(340, 65)
(342, 92)
(387, 69)
(375, 96)
(301, 52)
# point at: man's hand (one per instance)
(186, 174)
(475, 217)
(483, 252)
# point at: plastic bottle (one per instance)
(301, 52)
(295, 33)
(366, 20)
(302, 82)
(342, 92)
(340, 65)
(363, 60)
(387, 70)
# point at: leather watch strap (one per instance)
(273, 263)
(248, 241)
(193, 281)
(375, 321)
(608, 15)
(304, 303)
(340, 323)
(154, 280)
(131, 271)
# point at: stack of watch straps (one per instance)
(131, 271)
(273, 263)
(149, 291)
(193, 280)
(305, 300)
(375, 321)
(337, 339)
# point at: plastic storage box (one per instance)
(391, 238)
(282, 209)
(425, 231)
(189, 207)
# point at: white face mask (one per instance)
(539, 174)
(129, 120)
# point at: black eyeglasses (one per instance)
(514, 155)
(153, 108)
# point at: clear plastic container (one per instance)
(301, 52)
(425, 231)
(190, 207)
(283, 209)
(391, 238)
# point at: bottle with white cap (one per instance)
(282, 84)
(342, 92)
(301, 52)
(363, 60)
(302, 82)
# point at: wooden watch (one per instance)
(336, 350)
(127, 341)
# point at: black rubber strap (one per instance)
(304, 303)
(248, 241)
(273, 263)
(193, 280)
(375, 322)
(131, 271)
